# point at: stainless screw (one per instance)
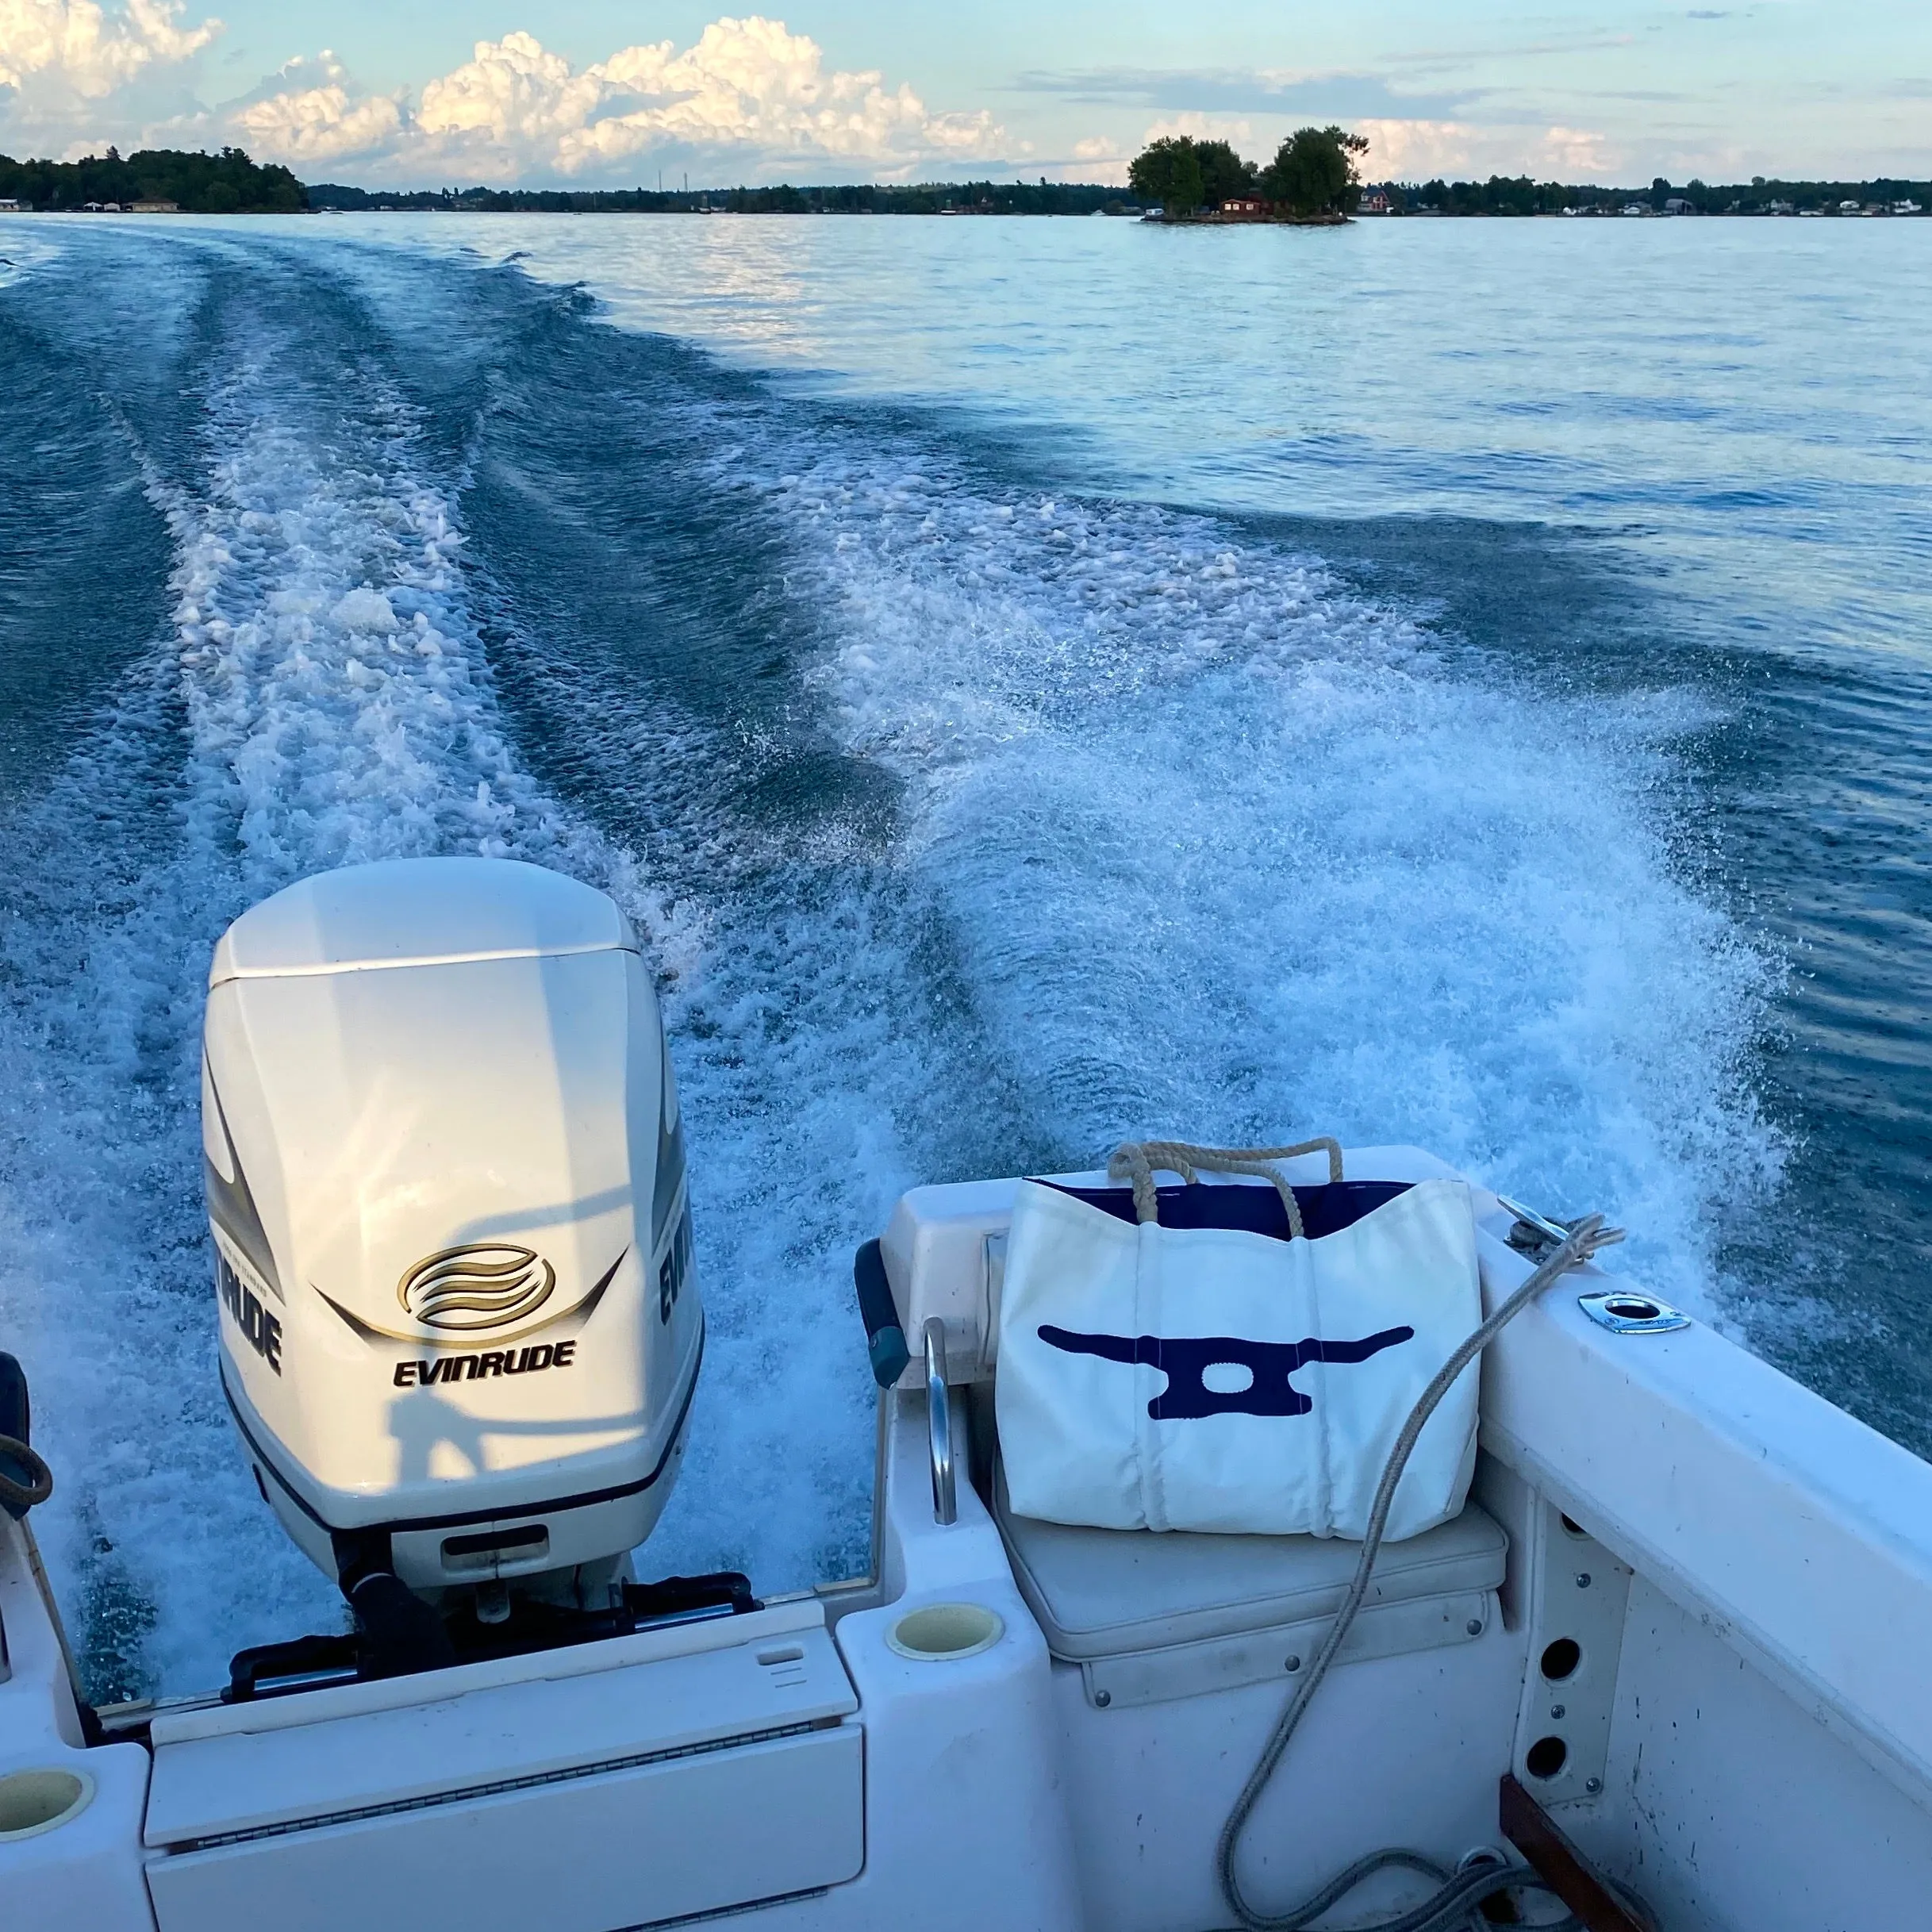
(1474, 1627)
(1294, 1663)
(1556, 1710)
(1592, 1785)
(1103, 1698)
(1583, 1580)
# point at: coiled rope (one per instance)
(1450, 1906)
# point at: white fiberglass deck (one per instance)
(1682, 1596)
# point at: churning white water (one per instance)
(1179, 832)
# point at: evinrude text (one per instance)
(264, 1331)
(417, 1374)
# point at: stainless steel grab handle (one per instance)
(939, 1424)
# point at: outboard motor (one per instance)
(459, 1326)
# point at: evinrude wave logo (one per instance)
(462, 1295)
(469, 1290)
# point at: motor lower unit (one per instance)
(459, 1324)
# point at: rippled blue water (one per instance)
(1462, 682)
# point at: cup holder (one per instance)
(31, 1802)
(943, 1633)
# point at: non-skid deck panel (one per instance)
(1254, 1209)
(1099, 1593)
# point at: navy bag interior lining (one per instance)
(1325, 1210)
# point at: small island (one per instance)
(1312, 181)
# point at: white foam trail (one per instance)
(1229, 852)
(22, 253)
(332, 705)
(1191, 838)
(328, 696)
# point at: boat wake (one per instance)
(974, 827)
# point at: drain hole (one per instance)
(1546, 1757)
(1561, 1658)
(1574, 1527)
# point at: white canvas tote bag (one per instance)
(1210, 1377)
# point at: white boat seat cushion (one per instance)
(1150, 1614)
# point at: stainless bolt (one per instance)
(1556, 1710)
(1592, 1785)
(1474, 1627)
(1294, 1663)
(1103, 1698)
(1583, 1580)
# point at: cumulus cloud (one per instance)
(1417, 150)
(511, 96)
(1237, 131)
(749, 96)
(749, 86)
(77, 46)
(314, 115)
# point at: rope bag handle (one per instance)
(1136, 1160)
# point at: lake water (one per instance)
(1035, 683)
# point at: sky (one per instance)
(624, 93)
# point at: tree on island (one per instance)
(1182, 174)
(1314, 172)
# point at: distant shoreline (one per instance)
(1499, 198)
(166, 181)
(1148, 218)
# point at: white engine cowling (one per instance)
(445, 1172)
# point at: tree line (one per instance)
(990, 198)
(1521, 195)
(1315, 172)
(226, 184)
